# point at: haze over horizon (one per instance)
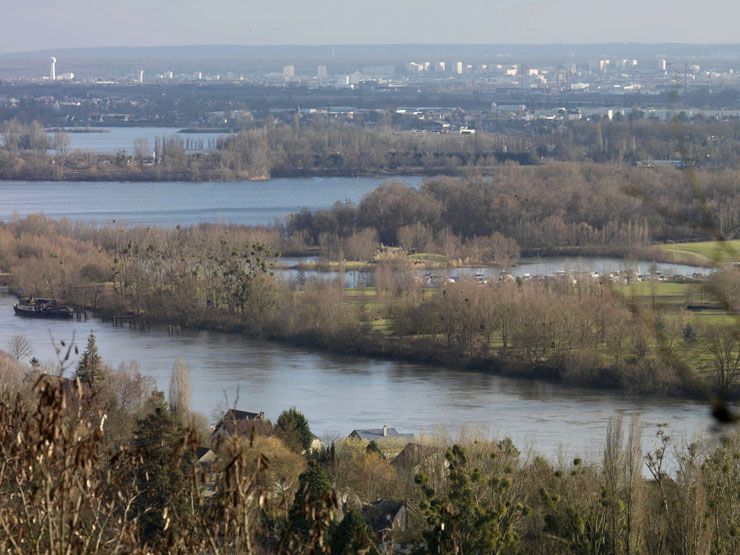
(98, 24)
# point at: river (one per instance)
(339, 394)
(171, 203)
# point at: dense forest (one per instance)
(102, 463)
(552, 208)
(634, 137)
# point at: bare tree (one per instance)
(19, 347)
(180, 389)
(12, 131)
(724, 348)
(61, 144)
(142, 150)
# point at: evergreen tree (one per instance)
(292, 427)
(353, 535)
(373, 449)
(477, 514)
(312, 512)
(90, 368)
(157, 439)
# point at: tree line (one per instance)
(269, 151)
(551, 208)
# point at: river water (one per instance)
(339, 394)
(171, 203)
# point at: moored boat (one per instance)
(42, 308)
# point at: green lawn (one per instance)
(428, 257)
(715, 251)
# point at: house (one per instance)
(242, 423)
(416, 457)
(379, 434)
(413, 454)
(385, 518)
(207, 459)
(316, 444)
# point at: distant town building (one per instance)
(379, 72)
(68, 76)
(141, 76)
(168, 75)
(321, 72)
(459, 68)
(288, 72)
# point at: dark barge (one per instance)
(42, 308)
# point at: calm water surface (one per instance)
(546, 266)
(339, 394)
(171, 203)
(109, 140)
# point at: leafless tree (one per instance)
(62, 141)
(724, 348)
(19, 347)
(180, 389)
(142, 150)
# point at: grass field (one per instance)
(707, 251)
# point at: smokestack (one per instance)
(53, 72)
(141, 76)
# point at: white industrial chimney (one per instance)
(53, 73)
(141, 76)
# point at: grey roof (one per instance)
(377, 434)
(241, 422)
(234, 414)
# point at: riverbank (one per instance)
(126, 168)
(369, 342)
(339, 393)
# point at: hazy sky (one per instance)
(42, 24)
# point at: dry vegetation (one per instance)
(592, 333)
(554, 208)
(111, 468)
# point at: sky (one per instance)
(30, 25)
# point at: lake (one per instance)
(171, 203)
(527, 267)
(338, 394)
(109, 140)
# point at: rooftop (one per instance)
(379, 434)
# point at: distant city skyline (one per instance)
(44, 24)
